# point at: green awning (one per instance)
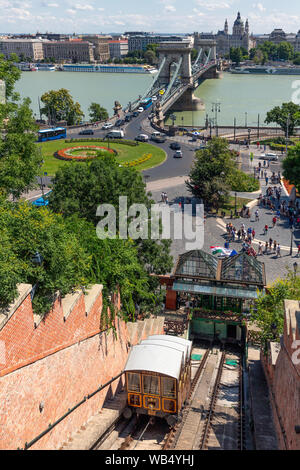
(218, 291)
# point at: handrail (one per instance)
(70, 410)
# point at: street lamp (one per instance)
(246, 115)
(173, 117)
(292, 235)
(216, 108)
(249, 133)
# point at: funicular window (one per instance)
(151, 384)
(169, 406)
(134, 400)
(133, 382)
(169, 387)
(151, 403)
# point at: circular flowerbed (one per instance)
(80, 153)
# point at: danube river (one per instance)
(241, 96)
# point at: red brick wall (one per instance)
(56, 364)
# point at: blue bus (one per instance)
(146, 103)
(52, 134)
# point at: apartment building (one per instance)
(118, 48)
(100, 46)
(72, 51)
(31, 48)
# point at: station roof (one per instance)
(155, 358)
(241, 268)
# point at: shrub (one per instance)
(131, 143)
(241, 182)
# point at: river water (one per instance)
(238, 94)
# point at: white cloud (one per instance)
(83, 7)
(208, 5)
(70, 11)
(170, 8)
(259, 6)
(53, 5)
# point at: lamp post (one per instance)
(37, 259)
(249, 133)
(235, 212)
(246, 123)
(216, 108)
(292, 236)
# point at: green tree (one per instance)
(210, 171)
(236, 55)
(59, 106)
(20, 158)
(150, 57)
(291, 166)
(97, 112)
(26, 230)
(9, 73)
(286, 116)
(269, 309)
(285, 51)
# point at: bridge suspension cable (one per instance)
(166, 94)
(152, 86)
(207, 57)
(197, 59)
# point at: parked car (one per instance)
(86, 132)
(119, 122)
(154, 98)
(116, 134)
(175, 146)
(158, 137)
(107, 125)
(142, 138)
(135, 114)
(178, 154)
(128, 117)
(269, 156)
(140, 110)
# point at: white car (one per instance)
(154, 98)
(107, 125)
(142, 137)
(140, 110)
(269, 156)
(178, 154)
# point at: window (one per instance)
(133, 382)
(151, 384)
(169, 387)
(134, 400)
(169, 405)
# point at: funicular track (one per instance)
(145, 433)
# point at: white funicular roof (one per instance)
(175, 339)
(179, 347)
(155, 358)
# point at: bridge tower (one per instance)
(177, 55)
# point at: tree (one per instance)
(286, 116)
(150, 56)
(269, 309)
(20, 158)
(236, 55)
(211, 168)
(97, 112)
(10, 74)
(80, 189)
(59, 106)
(285, 51)
(64, 265)
(194, 54)
(291, 166)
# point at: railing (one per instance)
(70, 410)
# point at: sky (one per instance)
(161, 16)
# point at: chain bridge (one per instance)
(178, 77)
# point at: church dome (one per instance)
(239, 21)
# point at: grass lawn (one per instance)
(126, 153)
(230, 205)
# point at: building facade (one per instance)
(31, 48)
(100, 46)
(139, 42)
(240, 37)
(118, 48)
(71, 51)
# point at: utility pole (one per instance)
(234, 126)
(287, 133)
(216, 107)
(246, 120)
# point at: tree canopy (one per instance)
(291, 166)
(97, 112)
(60, 106)
(9, 73)
(210, 172)
(287, 116)
(269, 309)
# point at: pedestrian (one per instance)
(256, 216)
(253, 233)
(167, 200)
(278, 251)
(260, 249)
(267, 180)
(162, 197)
(270, 243)
(274, 220)
(298, 252)
(266, 247)
(274, 246)
(266, 229)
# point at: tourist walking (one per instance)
(278, 251)
(256, 216)
(260, 252)
(266, 229)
